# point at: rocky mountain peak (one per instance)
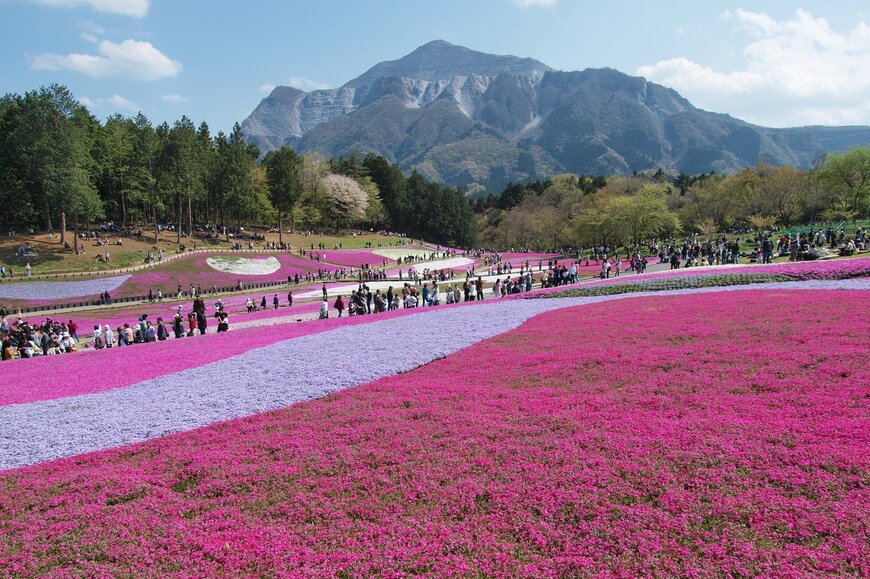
(440, 60)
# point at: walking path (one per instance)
(278, 375)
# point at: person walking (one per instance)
(178, 326)
(275, 301)
(339, 305)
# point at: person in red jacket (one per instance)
(72, 328)
(339, 305)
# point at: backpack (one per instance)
(100, 342)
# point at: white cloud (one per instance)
(90, 104)
(123, 104)
(266, 88)
(527, 3)
(795, 72)
(174, 99)
(114, 102)
(90, 30)
(131, 59)
(306, 84)
(135, 8)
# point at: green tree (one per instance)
(283, 181)
(643, 215)
(847, 176)
(183, 169)
(47, 164)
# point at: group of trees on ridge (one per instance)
(58, 162)
(571, 210)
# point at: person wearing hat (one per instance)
(66, 342)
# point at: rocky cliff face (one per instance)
(464, 117)
(437, 70)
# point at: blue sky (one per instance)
(774, 63)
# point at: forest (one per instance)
(62, 168)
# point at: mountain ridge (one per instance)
(467, 118)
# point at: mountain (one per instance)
(463, 117)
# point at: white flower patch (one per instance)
(452, 263)
(244, 265)
(51, 290)
(399, 253)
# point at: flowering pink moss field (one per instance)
(194, 270)
(697, 435)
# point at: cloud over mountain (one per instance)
(796, 71)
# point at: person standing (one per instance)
(289, 298)
(275, 301)
(178, 326)
(150, 332)
(339, 305)
(27, 270)
(109, 336)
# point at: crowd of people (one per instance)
(363, 301)
(21, 339)
(430, 287)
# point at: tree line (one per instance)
(60, 167)
(575, 210)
